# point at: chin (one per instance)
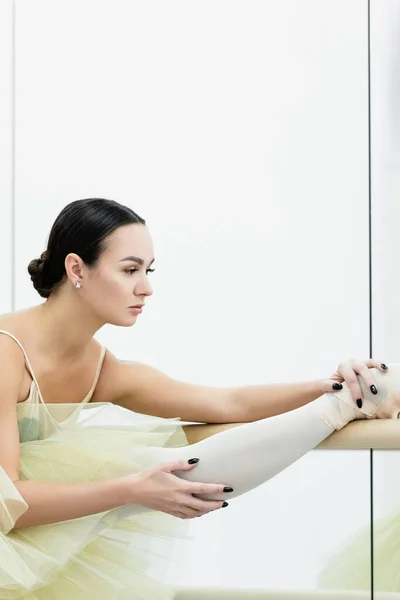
(119, 322)
(129, 322)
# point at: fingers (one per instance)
(377, 364)
(194, 487)
(349, 373)
(193, 506)
(352, 369)
(207, 488)
(366, 374)
(364, 370)
(204, 506)
(207, 509)
(199, 508)
(178, 465)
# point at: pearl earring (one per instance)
(78, 285)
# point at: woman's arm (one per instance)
(54, 502)
(251, 403)
(143, 389)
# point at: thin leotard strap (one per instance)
(97, 375)
(28, 364)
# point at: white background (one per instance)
(6, 154)
(239, 131)
(385, 87)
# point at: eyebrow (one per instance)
(140, 261)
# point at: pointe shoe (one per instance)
(390, 407)
(383, 405)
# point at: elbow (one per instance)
(10, 513)
(12, 506)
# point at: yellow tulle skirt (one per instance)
(103, 556)
(350, 568)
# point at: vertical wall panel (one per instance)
(240, 132)
(6, 35)
(385, 118)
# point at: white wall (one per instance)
(6, 175)
(239, 130)
(385, 162)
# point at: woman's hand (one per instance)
(158, 488)
(348, 370)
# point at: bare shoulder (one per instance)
(119, 378)
(107, 389)
(10, 352)
(139, 384)
(12, 368)
(12, 360)
(15, 322)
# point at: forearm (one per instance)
(255, 402)
(55, 502)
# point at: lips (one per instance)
(137, 306)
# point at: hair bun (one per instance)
(37, 269)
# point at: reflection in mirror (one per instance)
(350, 568)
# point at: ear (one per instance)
(74, 266)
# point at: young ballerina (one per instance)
(88, 481)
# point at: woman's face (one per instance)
(120, 280)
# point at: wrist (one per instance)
(127, 487)
(321, 387)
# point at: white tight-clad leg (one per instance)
(248, 455)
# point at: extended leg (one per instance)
(246, 456)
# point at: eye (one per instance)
(131, 271)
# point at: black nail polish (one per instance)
(192, 461)
(373, 389)
(228, 489)
(384, 366)
(337, 386)
(224, 504)
(359, 403)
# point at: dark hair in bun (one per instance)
(38, 270)
(81, 228)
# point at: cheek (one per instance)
(117, 284)
(107, 285)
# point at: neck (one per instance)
(66, 325)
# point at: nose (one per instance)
(144, 288)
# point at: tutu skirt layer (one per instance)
(103, 556)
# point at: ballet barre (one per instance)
(375, 434)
